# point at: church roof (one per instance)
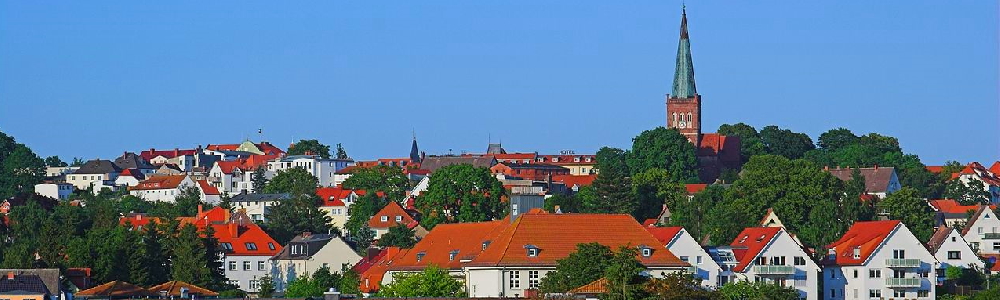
(684, 73)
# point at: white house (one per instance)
(951, 250)
(988, 177)
(324, 169)
(308, 252)
(236, 176)
(257, 206)
(983, 231)
(335, 203)
(93, 171)
(162, 188)
(767, 254)
(60, 191)
(129, 177)
(59, 171)
(879, 260)
(685, 247)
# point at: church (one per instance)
(716, 153)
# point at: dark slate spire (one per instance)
(684, 72)
(414, 152)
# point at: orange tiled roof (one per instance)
(465, 238)
(866, 236)
(208, 189)
(333, 196)
(951, 206)
(138, 220)
(750, 243)
(116, 289)
(247, 164)
(599, 286)
(391, 211)
(239, 235)
(556, 236)
(159, 183)
(575, 180)
(714, 144)
(664, 234)
(173, 288)
(935, 169)
(515, 156)
(568, 159)
(694, 188)
(371, 277)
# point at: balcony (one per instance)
(774, 270)
(902, 282)
(991, 236)
(691, 270)
(902, 263)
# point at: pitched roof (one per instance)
(315, 242)
(116, 289)
(138, 220)
(333, 196)
(159, 183)
(750, 243)
(245, 197)
(951, 206)
(373, 269)
(727, 148)
(434, 249)
(246, 164)
(575, 180)
(246, 239)
(684, 84)
(568, 159)
(599, 286)
(391, 211)
(556, 236)
(973, 219)
(935, 169)
(534, 166)
(98, 166)
(436, 162)
(173, 288)
(130, 160)
(694, 188)
(876, 178)
(22, 284)
(939, 237)
(865, 236)
(516, 156)
(208, 189)
(153, 153)
(664, 234)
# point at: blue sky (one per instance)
(93, 79)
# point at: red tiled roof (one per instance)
(599, 286)
(650, 222)
(750, 243)
(159, 183)
(714, 144)
(128, 172)
(153, 153)
(416, 171)
(568, 159)
(951, 206)
(208, 189)
(351, 169)
(517, 156)
(138, 220)
(694, 188)
(372, 274)
(173, 288)
(866, 236)
(556, 236)
(995, 168)
(247, 164)
(391, 211)
(238, 235)
(935, 169)
(116, 288)
(466, 238)
(333, 196)
(664, 234)
(575, 180)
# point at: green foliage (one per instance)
(654, 188)
(303, 287)
(398, 236)
(459, 194)
(188, 258)
(341, 153)
(953, 273)
(875, 149)
(853, 208)
(665, 149)
(325, 279)
(785, 143)
(294, 181)
(972, 193)
(678, 286)
(389, 180)
(311, 146)
(612, 190)
(350, 282)
(266, 289)
(750, 142)
(907, 206)
(431, 282)
(624, 275)
(835, 139)
(54, 161)
(259, 180)
(362, 211)
(363, 239)
(20, 168)
(77, 162)
(566, 203)
(581, 267)
(693, 214)
(744, 290)
(232, 294)
(297, 215)
(188, 201)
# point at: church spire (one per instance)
(684, 73)
(414, 152)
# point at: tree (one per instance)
(341, 153)
(652, 189)
(972, 192)
(665, 149)
(431, 282)
(581, 267)
(350, 283)
(624, 275)
(303, 287)
(851, 206)
(309, 146)
(566, 203)
(907, 206)
(611, 192)
(189, 200)
(750, 142)
(20, 169)
(156, 259)
(834, 139)
(694, 214)
(325, 279)
(398, 236)
(54, 161)
(461, 193)
(678, 286)
(363, 239)
(786, 143)
(362, 211)
(258, 179)
(188, 256)
(745, 290)
(214, 276)
(389, 180)
(266, 289)
(294, 181)
(297, 215)
(77, 162)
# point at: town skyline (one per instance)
(606, 79)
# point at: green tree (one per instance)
(971, 193)
(19, 256)
(325, 279)
(907, 206)
(389, 180)
(852, 208)
(398, 236)
(188, 256)
(750, 142)
(258, 179)
(678, 286)
(350, 283)
(363, 239)
(297, 215)
(266, 289)
(54, 161)
(431, 282)
(694, 214)
(214, 276)
(362, 211)
(665, 149)
(611, 192)
(461, 193)
(786, 143)
(341, 153)
(303, 287)
(295, 181)
(744, 290)
(566, 203)
(834, 139)
(20, 169)
(624, 275)
(156, 258)
(77, 162)
(581, 267)
(188, 200)
(311, 146)
(654, 188)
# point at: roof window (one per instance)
(532, 250)
(270, 245)
(857, 252)
(452, 254)
(420, 255)
(384, 218)
(250, 246)
(226, 246)
(646, 250)
(744, 239)
(486, 244)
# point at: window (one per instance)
(452, 254)
(515, 279)
(855, 273)
(762, 260)
(899, 293)
(246, 265)
(833, 273)
(975, 246)
(923, 293)
(532, 252)
(800, 261)
(227, 246)
(698, 258)
(857, 252)
(778, 260)
(898, 274)
(647, 252)
(254, 285)
(874, 293)
(232, 266)
(420, 256)
(684, 258)
(399, 218)
(996, 245)
(270, 245)
(384, 218)
(899, 254)
(953, 239)
(874, 273)
(833, 293)
(954, 255)
(250, 246)
(261, 266)
(532, 279)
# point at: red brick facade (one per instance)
(685, 115)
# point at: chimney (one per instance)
(826, 168)
(306, 234)
(10, 275)
(233, 230)
(176, 152)
(200, 210)
(876, 167)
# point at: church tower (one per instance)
(684, 103)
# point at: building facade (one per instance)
(879, 260)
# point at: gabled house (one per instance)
(578, 164)
(130, 177)
(982, 231)
(130, 160)
(246, 248)
(767, 254)
(392, 215)
(529, 171)
(257, 206)
(951, 250)
(879, 181)
(879, 259)
(162, 188)
(308, 252)
(139, 221)
(323, 169)
(685, 247)
(209, 193)
(573, 183)
(28, 285)
(92, 171)
(949, 212)
(236, 176)
(372, 270)
(262, 148)
(448, 246)
(989, 177)
(160, 157)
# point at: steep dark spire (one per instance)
(684, 73)
(414, 152)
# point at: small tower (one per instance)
(684, 103)
(414, 151)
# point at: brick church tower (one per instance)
(684, 103)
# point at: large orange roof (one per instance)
(664, 234)
(371, 277)
(246, 239)
(391, 211)
(137, 220)
(333, 196)
(866, 236)
(159, 183)
(208, 189)
(116, 288)
(434, 249)
(694, 188)
(575, 180)
(557, 235)
(173, 288)
(952, 206)
(750, 243)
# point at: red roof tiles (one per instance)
(750, 243)
(664, 234)
(466, 239)
(391, 212)
(694, 188)
(159, 183)
(333, 196)
(864, 236)
(951, 206)
(575, 180)
(208, 189)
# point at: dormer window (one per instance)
(576, 159)
(420, 256)
(857, 252)
(399, 218)
(587, 159)
(555, 159)
(452, 254)
(532, 250)
(744, 239)
(486, 244)
(761, 238)
(384, 218)
(270, 245)
(226, 246)
(646, 251)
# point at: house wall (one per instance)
(84, 181)
(843, 280)
(805, 279)
(334, 255)
(126, 181)
(955, 242)
(165, 195)
(338, 215)
(977, 235)
(323, 169)
(259, 266)
(54, 190)
(685, 246)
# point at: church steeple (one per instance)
(684, 73)
(414, 152)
